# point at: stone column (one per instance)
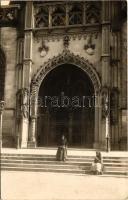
(115, 82)
(1, 121)
(105, 71)
(27, 64)
(19, 73)
(116, 75)
(33, 116)
(24, 110)
(97, 129)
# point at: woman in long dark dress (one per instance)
(62, 149)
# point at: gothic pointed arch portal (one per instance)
(65, 75)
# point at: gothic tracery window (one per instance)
(63, 14)
(58, 16)
(92, 12)
(41, 17)
(75, 14)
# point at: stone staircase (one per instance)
(74, 164)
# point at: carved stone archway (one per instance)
(67, 57)
(63, 58)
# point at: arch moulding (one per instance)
(63, 58)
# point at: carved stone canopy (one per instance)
(65, 57)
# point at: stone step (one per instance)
(113, 168)
(74, 163)
(69, 158)
(68, 162)
(61, 164)
(41, 169)
(78, 171)
(116, 173)
(45, 162)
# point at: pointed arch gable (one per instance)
(63, 58)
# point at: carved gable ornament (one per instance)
(67, 57)
(43, 49)
(89, 46)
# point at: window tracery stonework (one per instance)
(41, 17)
(75, 14)
(8, 16)
(67, 14)
(58, 15)
(93, 12)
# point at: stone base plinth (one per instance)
(31, 144)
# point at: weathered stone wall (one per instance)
(124, 63)
(9, 42)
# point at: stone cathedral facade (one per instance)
(63, 70)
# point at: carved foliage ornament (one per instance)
(43, 49)
(89, 46)
(66, 41)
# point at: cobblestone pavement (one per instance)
(55, 186)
